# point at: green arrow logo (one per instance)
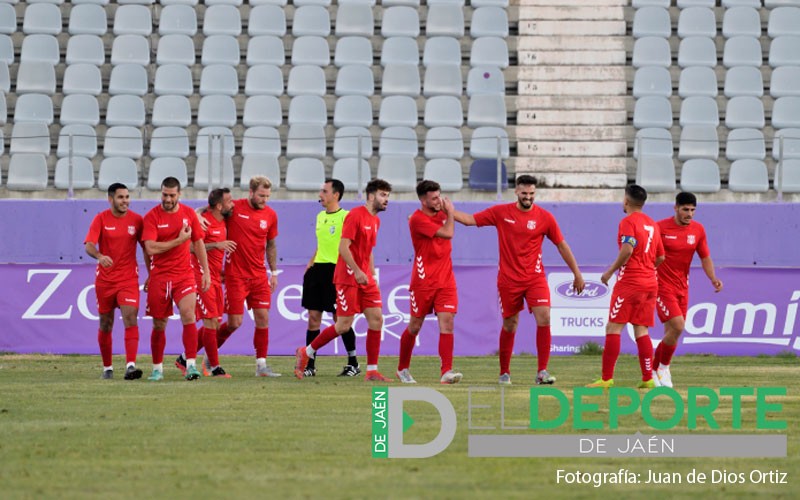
(407, 421)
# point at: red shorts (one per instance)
(113, 295)
(351, 300)
(162, 294)
(438, 300)
(211, 303)
(671, 304)
(632, 306)
(512, 297)
(253, 290)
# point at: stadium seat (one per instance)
(345, 143)
(80, 109)
(355, 20)
(3, 112)
(178, 20)
(43, 18)
(311, 20)
(175, 49)
(128, 79)
(82, 173)
(311, 50)
(5, 78)
(656, 173)
(118, 170)
(306, 141)
(355, 79)
(219, 79)
(489, 3)
(697, 51)
(483, 175)
(267, 20)
(398, 111)
(8, 19)
(133, 20)
(213, 172)
(347, 171)
(264, 79)
(699, 111)
(651, 21)
(490, 51)
(400, 21)
(748, 176)
(85, 49)
(409, 3)
(653, 81)
(323, 3)
(786, 112)
(306, 79)
(401, 79)
(741, 21)
(487, 111)
(398, 141)
(265, 50)
(696, 3)
(780, 3)
(787, 176)
(106, 2)
(27, 171)
(304, 174)
(443, 111)
(745, 144)
(220, 49)
(489, 21)
(353, 111)
(173, 79)
(784, 21)
(30, 137)
(700, 176)
(445, 20)
(123, 141)
(400, 50)
(745, 81)
(354, 50)
(125, 110)
(82, 79)
(223, 20)
(161, 168)
(484, 143)
(220, 138)
(783, 82)
(137, 2)
(446, 172)
(399, 171)
(441, 50)
(697, 21)
(742, 3)
(262, 110)
(653, 142)
(171, 111)
(267, 165)
(261, 141)
(744, 112)
(216, 111)
(235, 3)
(133, 49)
(783, 51)
(742, 51)
(40, 48)
(169, 142)
(443, 79)
(34, 108)
(699, 141)
(6, 49)
(444, 142)
(308, 110)
(697, 81)
(651, 51)
(36, 77)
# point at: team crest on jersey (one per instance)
(531, 225)
(131, 230)
(332, 230)
(185, 222)
(262, 224)
(690, 239)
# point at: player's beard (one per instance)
(120, 208)
(254, 204)
(168, 206)
(525, 203)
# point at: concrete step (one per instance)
(576, 3)
(559, 164)
(574, 132)
(613, 28)
(568, 102)
(571, 12)
(571, 117)
(581, 180)
(571, 57)
(575, 88)
(572, 42)
(526, 147)
(572, 73)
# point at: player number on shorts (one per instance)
(649, 230)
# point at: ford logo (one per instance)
(592, 290)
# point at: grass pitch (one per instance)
(65, 433)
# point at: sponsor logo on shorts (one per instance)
(541, 300)
(130, 300)
(262, 303)
(616, 307)
(449, 306)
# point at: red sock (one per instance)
(210, 342)
(373, 346)
(104, 339)
(506, 349)
(446, 351)
(323, 338)
(407, 341)
(657, 355)
(261, 342)
(543, 347)
(190, 340)
(158, 341)
(201, 341)
(645, 346)
(666, 353)
(610, 356)
(222, 334)
(131, 343)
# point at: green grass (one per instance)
(64, 433)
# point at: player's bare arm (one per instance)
(202, 258)
(347, 257)
(624, 255)
(566, 253)
(224, 246)
(372, 266)
(92, 251)
(464, 218)
(660, 259)
(272, 261)
(159, 247)
(147, 261)
(708, 268)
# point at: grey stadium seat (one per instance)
(31, 137)
(82, 79)
(219, 79)
(80, 109)
(697, 51)
(171, 111)
(42, 18)
(745, 81)
(173, 79)
(124, 142)
(742, 51)
(487, 111)
(355, 79)
(696, 3)
(27, 172)
(699, 111)
(441, 50)
(784, 21)
(443, 79)
(82, 173)
(304, 174)
(308, 110)
(486, 80)
(786, 112)
(161, 168)
(222, 20)
(787, 176)
(5, 78)
(128, 79)
(216, 110)
(354, 50)
(783, 82)
(742, 3)
(220, 49)
(311, 50)
(267, 165)
(3, 111)
(490, 51)
(444, 142)
(169, 142)
(398, 141)
(399, 171)
(353, 110)
(306, 79)
(745, 143)
(133, 20)
(748, 176)
(697, 21)
(8, 19)
(484, 143)
(400, 50)
(744, 112)
(652, 112)
(651, 21)
(85, 49)
(267, 20)
(312, 20)
(213, 172)
(401, 79)
(347, 171)
(177, 20)
(444, 111)
(699, 141)
(262, 110)
(355, 20)
(741, 21)
(6, 49)
(36, 77)
(34, 108)
(783, 51)
(131, 49)
(780, 3)
(221, 139)
(125, 110)
(175, 49)
(261, 141)
(265, 49)
(40, 48)
(489, 21)
(445, 20)
(653, 142)
(398, 111)
(652, 81)
(700, 176)
(447, 172)
(400, 21)
(656, 174)
(264, 79)
(698, 81)
(651, 51)
(410, 3)
(306, 141)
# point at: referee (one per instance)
(319, 294)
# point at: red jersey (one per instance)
(520, 235)
(643, 234)
(680, 244)
(250, 229)
(117, 238)
(161, 226)
(361, 228)
(433, 266)
(215, 233)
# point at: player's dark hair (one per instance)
(526, 180)
(112, 189)
(171, 182)
(215, 197)
(337, 186)
(376, 185)
(636, 194)
(685, 198)
(426, 186)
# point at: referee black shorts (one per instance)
(319, 294)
